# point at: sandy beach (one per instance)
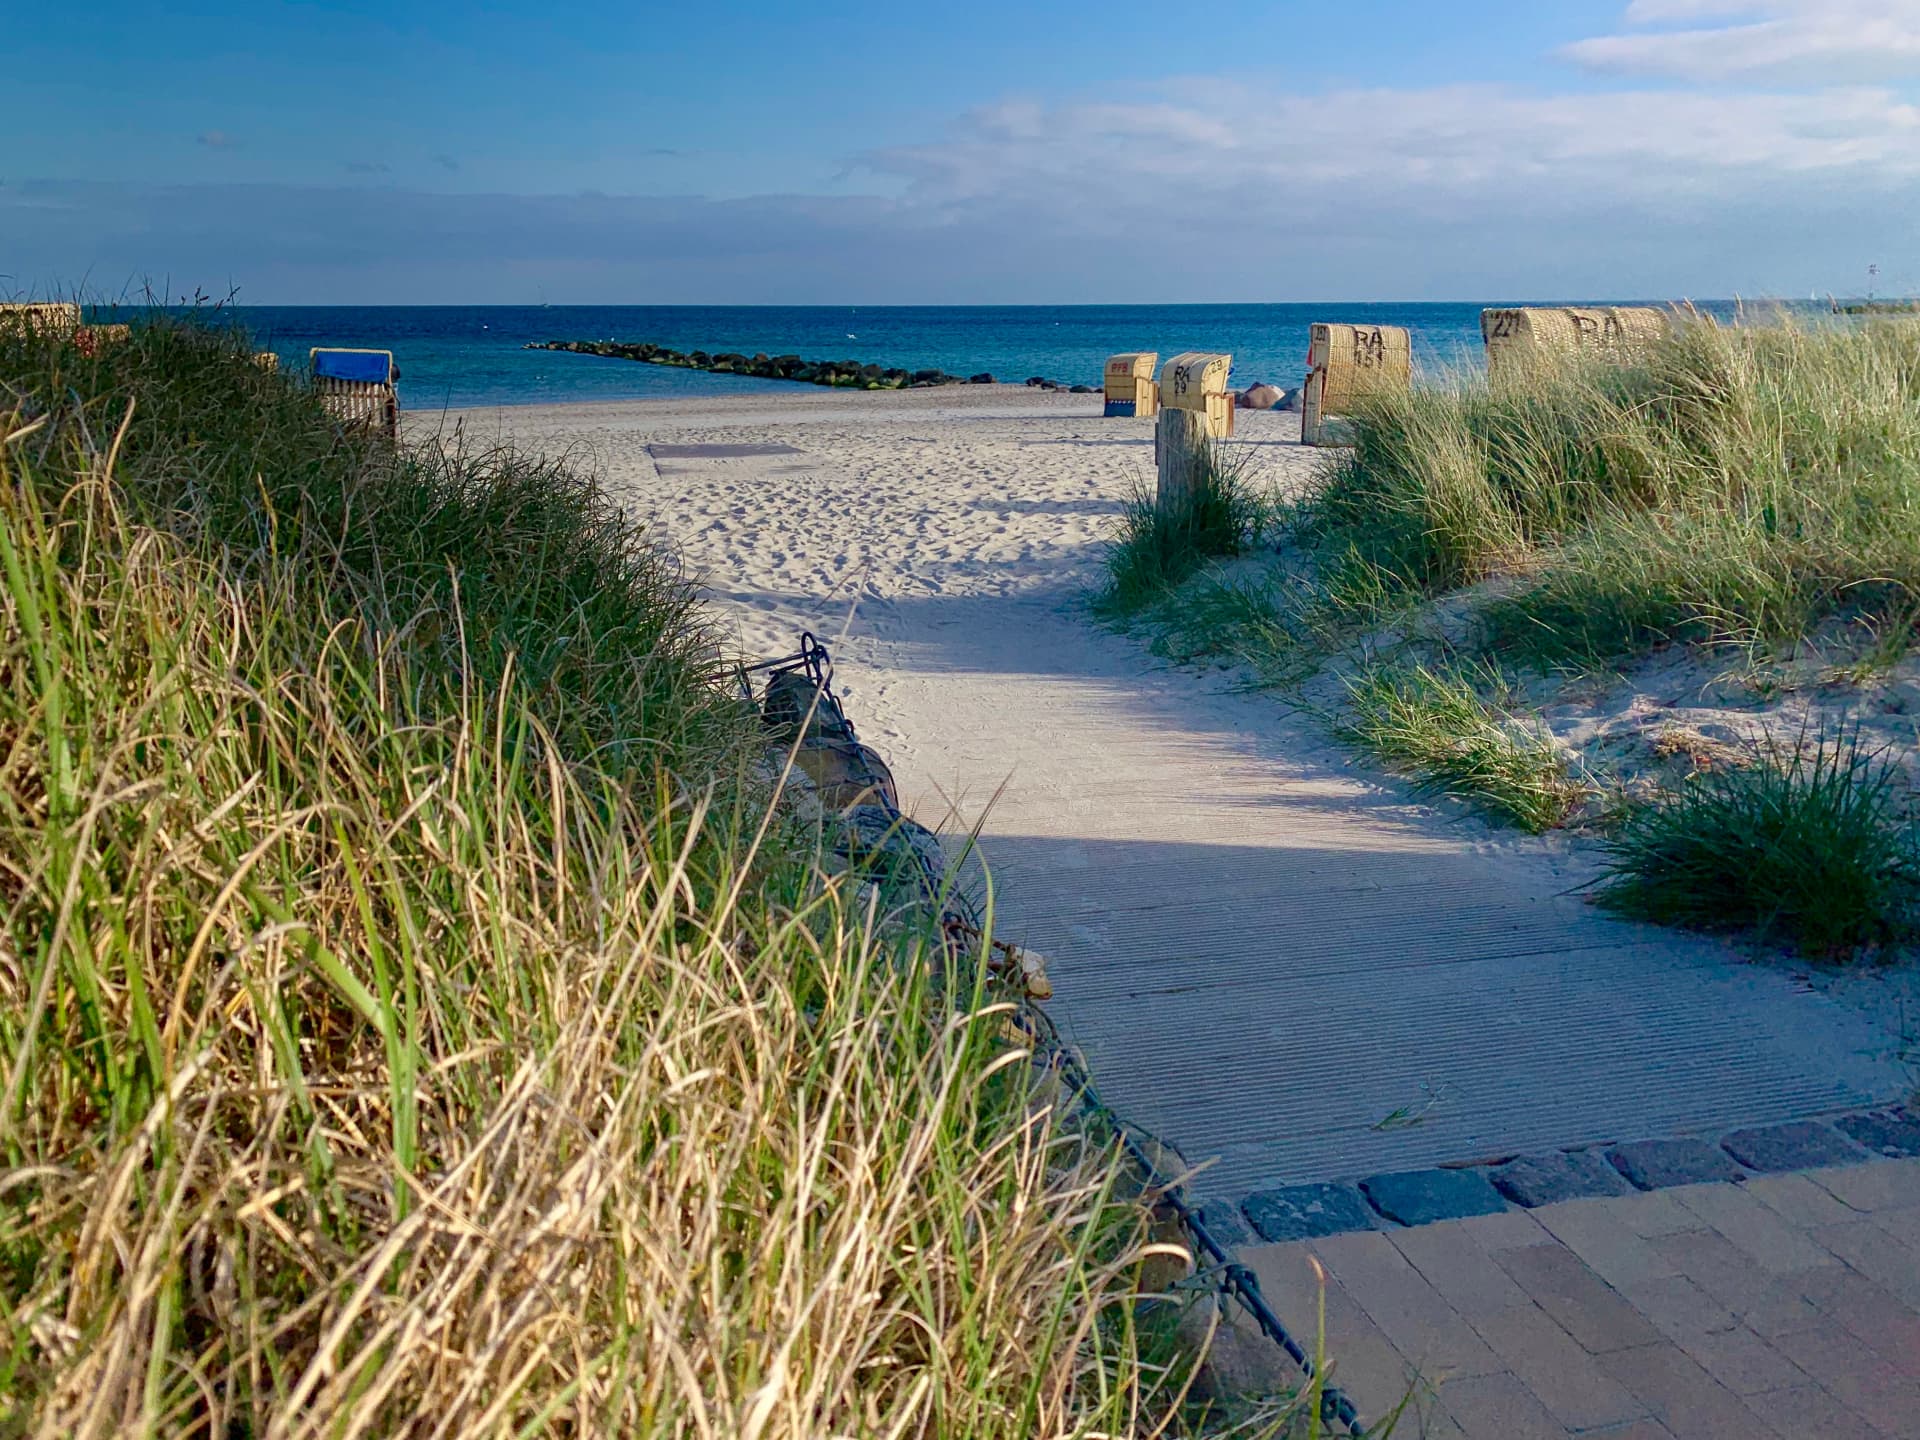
(931, 528)
(1273, 958)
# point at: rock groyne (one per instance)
(841, 374)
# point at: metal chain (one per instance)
(1049, 1049)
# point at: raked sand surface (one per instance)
(1272, 959)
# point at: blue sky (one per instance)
(979, 152)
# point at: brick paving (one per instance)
(1779, 1305)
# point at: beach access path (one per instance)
(1272, 958)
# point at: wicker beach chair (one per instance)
(1346, 362)
(1198, 381)
(52, 321)
(1129, 384)
(357, 387)
(90, 340)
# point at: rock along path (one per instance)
(1274, 961)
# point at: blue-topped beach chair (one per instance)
(358, 387)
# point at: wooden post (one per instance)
(1179, 450)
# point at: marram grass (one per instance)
(1436, 725)
(1733, 485)
(1157, 547)
(1806, 846)
(410, 1022)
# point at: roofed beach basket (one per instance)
(92, 339)
(51, 321)
(1199, 381)
(1520, 341)
(357, 388)
(1130, 386)
(1344, 363)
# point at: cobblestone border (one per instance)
(1420, 1197)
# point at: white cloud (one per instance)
(1203, 189)
(1234, 151)
(1795, 41)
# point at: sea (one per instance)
(454, 356)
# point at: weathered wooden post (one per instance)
(1345, 362)
(1179, 450)
(1195, 408)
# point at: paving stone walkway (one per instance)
(1777, 1305)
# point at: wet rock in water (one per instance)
(983, 378)
(846, 374)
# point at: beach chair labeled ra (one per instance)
(1345, 363)
(357, 387)
(1198, 381)
(1521, 342)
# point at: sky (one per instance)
(711, 152)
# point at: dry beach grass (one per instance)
(413, 1020)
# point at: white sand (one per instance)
(1275, 962)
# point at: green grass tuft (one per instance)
(1436, 725)
(1808, 846)
(1159, 547)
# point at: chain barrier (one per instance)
(961, 926)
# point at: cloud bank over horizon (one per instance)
(1705, 148)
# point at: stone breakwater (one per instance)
(842, 374)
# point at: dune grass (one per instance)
(1158, 546)
(1732, 485)
(411, 1018)
(1438, 726)
(1806, 846)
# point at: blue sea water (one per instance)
(475, 355)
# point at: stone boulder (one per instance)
(1260, 397)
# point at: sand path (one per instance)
(1277, 963)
